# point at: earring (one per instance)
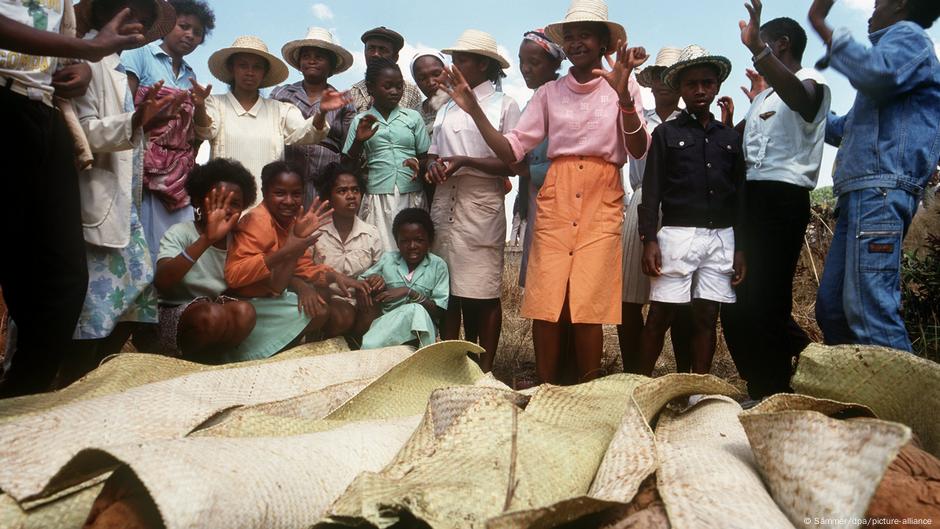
(197, 212)
(604, 50)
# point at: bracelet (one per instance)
(638, 129)
(188, 257)
(625, 110)
(764, 53)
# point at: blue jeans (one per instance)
(859, 298)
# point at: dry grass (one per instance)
(515, 359)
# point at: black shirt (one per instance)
(695, 175)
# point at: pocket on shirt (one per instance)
(680, 155)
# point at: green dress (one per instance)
(403, 321)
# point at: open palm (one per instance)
(621, 67)
(317, 215)
(332, 100)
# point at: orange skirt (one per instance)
(576, 244)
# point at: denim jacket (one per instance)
(891, 137)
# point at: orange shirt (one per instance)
(256, 236)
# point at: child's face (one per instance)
(284, 198)
(387, 89)
(345, 196)
(698, 86)
(413, 243)
(186, 35)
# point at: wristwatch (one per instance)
(764, 53)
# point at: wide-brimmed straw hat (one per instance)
(163, 24)
(317, 38)
(277, 70)
(587, 11)
(664, 59)
(480, 43)
(693, 56)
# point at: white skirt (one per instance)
(636, 284)
(380, 211)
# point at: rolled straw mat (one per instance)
(501, 459)
(816, 467)
(185, 478)
(38, 445)
(707, 476)
(897, 385)
(130, 370)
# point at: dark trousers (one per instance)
(43, 271)
(759, 328)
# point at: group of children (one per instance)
(378, 215)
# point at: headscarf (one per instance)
(426, 52)
(538, 36)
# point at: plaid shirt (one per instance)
(312, 159)
(412, 97)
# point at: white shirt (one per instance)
(638, 166)
(32, 72)
(779, 145)
(361, 249)
(256, 137)
(455, 133)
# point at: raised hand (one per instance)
(758, 84)
(116, 35)
(332, 100)
(220, 217)
(199, 93)
(458, 89)
(621, 67)
(319, 214)
(817, 18)
(154, 112)
(750, 31)
(366, 128)
(727, 110)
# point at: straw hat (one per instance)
(480, 43)
(163, 24)
(277, 70)
(317, 38)
(693, 56)
(664, 59)
(587, 11)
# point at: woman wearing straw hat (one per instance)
(242, 124)
(468, 208)
(318, 57)
(636, 284)
(592, 118)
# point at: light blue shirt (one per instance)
(430, 278)
(151, 64)
(401, 136)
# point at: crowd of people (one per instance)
(377, 213)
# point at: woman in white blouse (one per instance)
(243, 125)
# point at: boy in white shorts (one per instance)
(695, 173)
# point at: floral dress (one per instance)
(120, 280)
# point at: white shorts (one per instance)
(698, 263)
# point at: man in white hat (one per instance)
(317, 56)
(695, 175)
(385, 43)
(784, 133)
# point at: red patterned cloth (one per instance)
(170, 153)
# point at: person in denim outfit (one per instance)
(889, 146)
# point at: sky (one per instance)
(712, 24)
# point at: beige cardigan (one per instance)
(106, 187)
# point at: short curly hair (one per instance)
(413, 216)
(199, 9)
(274, 169)
(203, 178)
(923, 12)
(331, 174)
